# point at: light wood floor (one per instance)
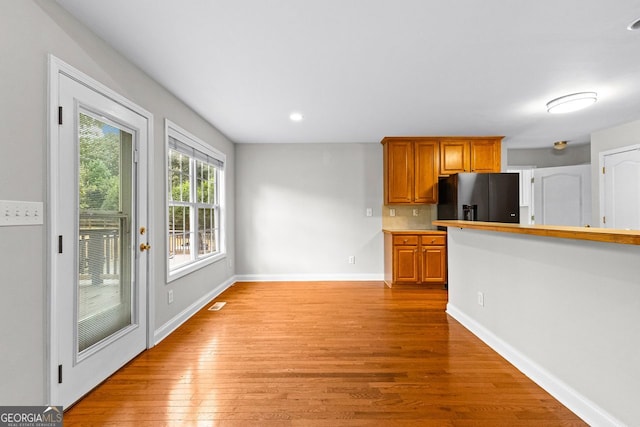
(321, 354)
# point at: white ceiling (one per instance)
(360, 70)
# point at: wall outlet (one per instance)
(481, 299)
(369, 212)
(416, 212)
(352, 259)
(392, 212)
(170, 296)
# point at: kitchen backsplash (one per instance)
(405, 220)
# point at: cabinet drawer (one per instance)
(405, 240)
(433, 240)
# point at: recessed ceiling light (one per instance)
(573, 102)
(296, 117)
(634, 26)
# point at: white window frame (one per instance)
(197, 262)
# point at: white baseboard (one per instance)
(163, 331)
(587, 410)
(309, 277)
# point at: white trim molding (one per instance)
(310, 278)
(587, 410)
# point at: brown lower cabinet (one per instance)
(415, 257)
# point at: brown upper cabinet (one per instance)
(469, 154)
(410, 170)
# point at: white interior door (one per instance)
(99, 270)
(562, 195)
(620, 188)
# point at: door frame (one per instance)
(601, 176)
(56, 68)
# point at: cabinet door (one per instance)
(454, 156)
(399, 173)
(426, 172)
(405, 264)
(433, 264)
(485, 156)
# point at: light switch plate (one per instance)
(13, 213)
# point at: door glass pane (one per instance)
(104, 255)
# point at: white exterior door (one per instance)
(99, 220)
(620, 188)
(562, 195)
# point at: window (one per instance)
(195, 201)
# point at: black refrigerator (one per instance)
(493, 197)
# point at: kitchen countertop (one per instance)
(404, 231)
(607, 235)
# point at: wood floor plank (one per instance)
(321, 354)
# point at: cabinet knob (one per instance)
(405, 240)
(433, 240)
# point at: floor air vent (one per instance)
(217, 306)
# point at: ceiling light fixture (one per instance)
(573, 102)
(634, 26)
(296, 117)
(560, 145)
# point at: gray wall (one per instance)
(608, 139)
(29, 31)
(548, 157)
(301, 211)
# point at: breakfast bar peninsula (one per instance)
(560, 303)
